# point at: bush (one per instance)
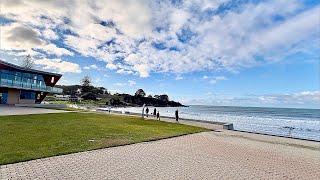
(89, 96)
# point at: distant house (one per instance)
(20, 85)
(71, 98)
(75, 98)
(62, 97)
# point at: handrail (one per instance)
(29, 86)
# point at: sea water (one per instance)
(298, 123)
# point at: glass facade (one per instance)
(3, 97)
(27, 95)
(22, 80)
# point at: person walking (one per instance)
(177, 115)
(158, 116)
(147, 111)
(154, 112)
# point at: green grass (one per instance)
(29, 137)
(83, 102)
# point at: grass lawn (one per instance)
(29, 137)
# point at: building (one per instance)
(60, 97)
(75, 98)
(20, 85)
(71, 98)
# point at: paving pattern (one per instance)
(209, 155)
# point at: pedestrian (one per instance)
(158, 116)
(177, 115)
(154, 111)
(147, 111)
(142, 113)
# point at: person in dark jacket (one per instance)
(147, 111)
(154, 111)
(177, 115)
(158, 116)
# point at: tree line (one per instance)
(89, 92)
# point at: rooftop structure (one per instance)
(20, 85)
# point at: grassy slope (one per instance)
(29, 137)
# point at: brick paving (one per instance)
(208, 155)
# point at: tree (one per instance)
(89, 96)
(86, 84)
(97, 90)
(27, 62)
(140, 92)
(86, 81)
(114, 101)
(164, 97)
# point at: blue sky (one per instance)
(241, 52)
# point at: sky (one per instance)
(208, 52)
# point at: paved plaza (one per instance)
(208, 155)
(13, 110)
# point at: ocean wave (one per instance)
(304, 123)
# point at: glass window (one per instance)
(27, 94)
(24, 80)
(18, 74)
(40, 78)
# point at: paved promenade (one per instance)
(172, 120)
(209, 155)
(12, 110)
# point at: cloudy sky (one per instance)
(217, 52)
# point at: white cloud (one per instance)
(52, 49)
(306, 97)
(20, 37)
(119, 84)
(132, 17)
(300, 99)
(123, 71)
(205, 77)
(178, 19)
(92, 66)
(123, 33)
(214, 80)
(132, 83)
(50, 34)
(111, 66)
(58, 65)
(129, 83)
(142, 69)
(178, 77)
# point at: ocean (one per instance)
(293, 122)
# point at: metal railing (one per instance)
(28, 86)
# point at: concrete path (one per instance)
(191, 123)
(12, 110)
(172, 120)
(209, 155)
